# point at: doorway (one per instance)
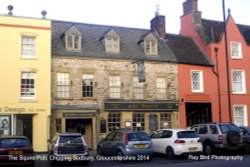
(24, 125)
(83, 126)
(198, 113)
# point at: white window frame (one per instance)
(27, 86)
(138, 88)
(114, 86)
(151, 47)
(87, 82)
(161, 88)
(112, 45)
(243, 82)
(238, 50)
(244, 116)
(201, 82)
(62, 82)
(74, 43)
(28, 47)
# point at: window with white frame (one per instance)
(114, 86)
(238, 81)
(197, 81)
(161, 87)
(73, 42)
(236, 52)
(138, 88)
(28, 47)
(63, 85)
(28, 85)
(112, 44)
(87, 85)
(240, 115)
(151, 48)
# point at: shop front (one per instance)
(145, 116)
(80, 119)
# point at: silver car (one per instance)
(127, 143)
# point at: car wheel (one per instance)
(170, 153)
(99, 151)
(119, 155)
(233, 137)
(207, 149)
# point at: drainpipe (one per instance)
(218, 80)
(227, 63)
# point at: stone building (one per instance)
(108, 77)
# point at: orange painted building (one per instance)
(209, 35)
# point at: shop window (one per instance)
(138, 88)
(28, 47)
(139, 121)
(165, 120)
(114, 86)
(63, 85)
(58, 125)
(87, 85)
(5, 124)
(161, 87)
(27, 85)
(114, 121)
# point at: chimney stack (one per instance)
(158, 25)
(191, 6)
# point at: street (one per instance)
(160, 160)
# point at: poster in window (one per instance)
(5, 125)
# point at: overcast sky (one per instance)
(125, 13)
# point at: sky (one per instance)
(125, 13)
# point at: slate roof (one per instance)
(173, 48)
(187, 51)
(212, 31)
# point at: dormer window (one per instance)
(151, 48)
(111, 41)
(73, 39)
(73, 42)
(112, 45)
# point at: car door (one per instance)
(165, 140)
(107, 144)
(155, 137)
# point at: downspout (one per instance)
(218, 80)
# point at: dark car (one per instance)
(246, 137)
(16, 150)
(219, 136)
(121, 143)
(68, 147)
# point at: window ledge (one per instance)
(28, 101)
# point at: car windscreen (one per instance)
(138, 137)
(70, 140)
(227, 127)
(14, 142)
(187, 134)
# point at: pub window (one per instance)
(139, 121)
(165, 120)
(138, 88)
(87, 85)
(114, 86)
(114, 121)
(161, 87)
(58, 125)
(63, 85)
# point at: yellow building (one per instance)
(25, 51)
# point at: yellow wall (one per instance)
(11, 30)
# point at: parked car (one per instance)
(217, 136)
(16, 150)
(174, 142)
(246, 137)
(68, 147)
(126, 143)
